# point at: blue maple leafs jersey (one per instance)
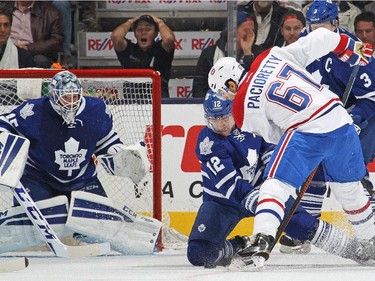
(61, 154)
(231, 166)
(331, 72)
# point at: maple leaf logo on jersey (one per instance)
(248, 172)
(27, 111)
(201, 227)
(71, 158)
(205, 146)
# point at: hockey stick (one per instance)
(302, 191)
(350, 84)
(9, 265)
(13, 154)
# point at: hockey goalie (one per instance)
(66, 131)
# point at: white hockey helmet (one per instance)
(65, 93)
(224, 69)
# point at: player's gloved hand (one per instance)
(250, 201)
(359, 122)
(266, 156)
(353, 52)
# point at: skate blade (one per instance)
(255, 263)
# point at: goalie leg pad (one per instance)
(18, 232)
(103, 220)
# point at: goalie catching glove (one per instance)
(353, 52)
(128, 161)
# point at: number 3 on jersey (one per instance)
(292, 98)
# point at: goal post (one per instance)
(134, 98)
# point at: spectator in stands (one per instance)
(269, 15)
(370, 7)
(64, 8)
(246, 52)
(37, 28)
(292, 25)
(364, 26)
(295, 5)
(11, 56)
(87, 16)
(147, 52)
(347, 14)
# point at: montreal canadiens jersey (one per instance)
(62, 154)
(333, 73)
(278, 94)
(230, 165)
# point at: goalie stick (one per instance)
(302, 191)
(13, 264)
(13, 155)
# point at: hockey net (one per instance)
(134, 99)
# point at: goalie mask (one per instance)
(65, 93)
(224, 70)
(218, 114)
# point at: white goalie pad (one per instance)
(101, 219)
(17, 231)
(13, 155)
(131, 162)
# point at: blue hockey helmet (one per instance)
(65, 93)
(215, 107)
(218, 113)
(322, 11)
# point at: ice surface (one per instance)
(173, 265)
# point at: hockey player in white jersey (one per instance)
(280, 101)
(66, 130)
(330, 71)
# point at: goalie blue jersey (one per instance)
(331, 72)
(231, 166)
(62, 154)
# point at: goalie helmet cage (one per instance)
(134, 98)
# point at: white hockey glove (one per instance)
(353, 52)
(250, 201)
(131, 162)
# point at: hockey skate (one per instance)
(364, 253)
(255, 254)
(293, 246)
(239, 243)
